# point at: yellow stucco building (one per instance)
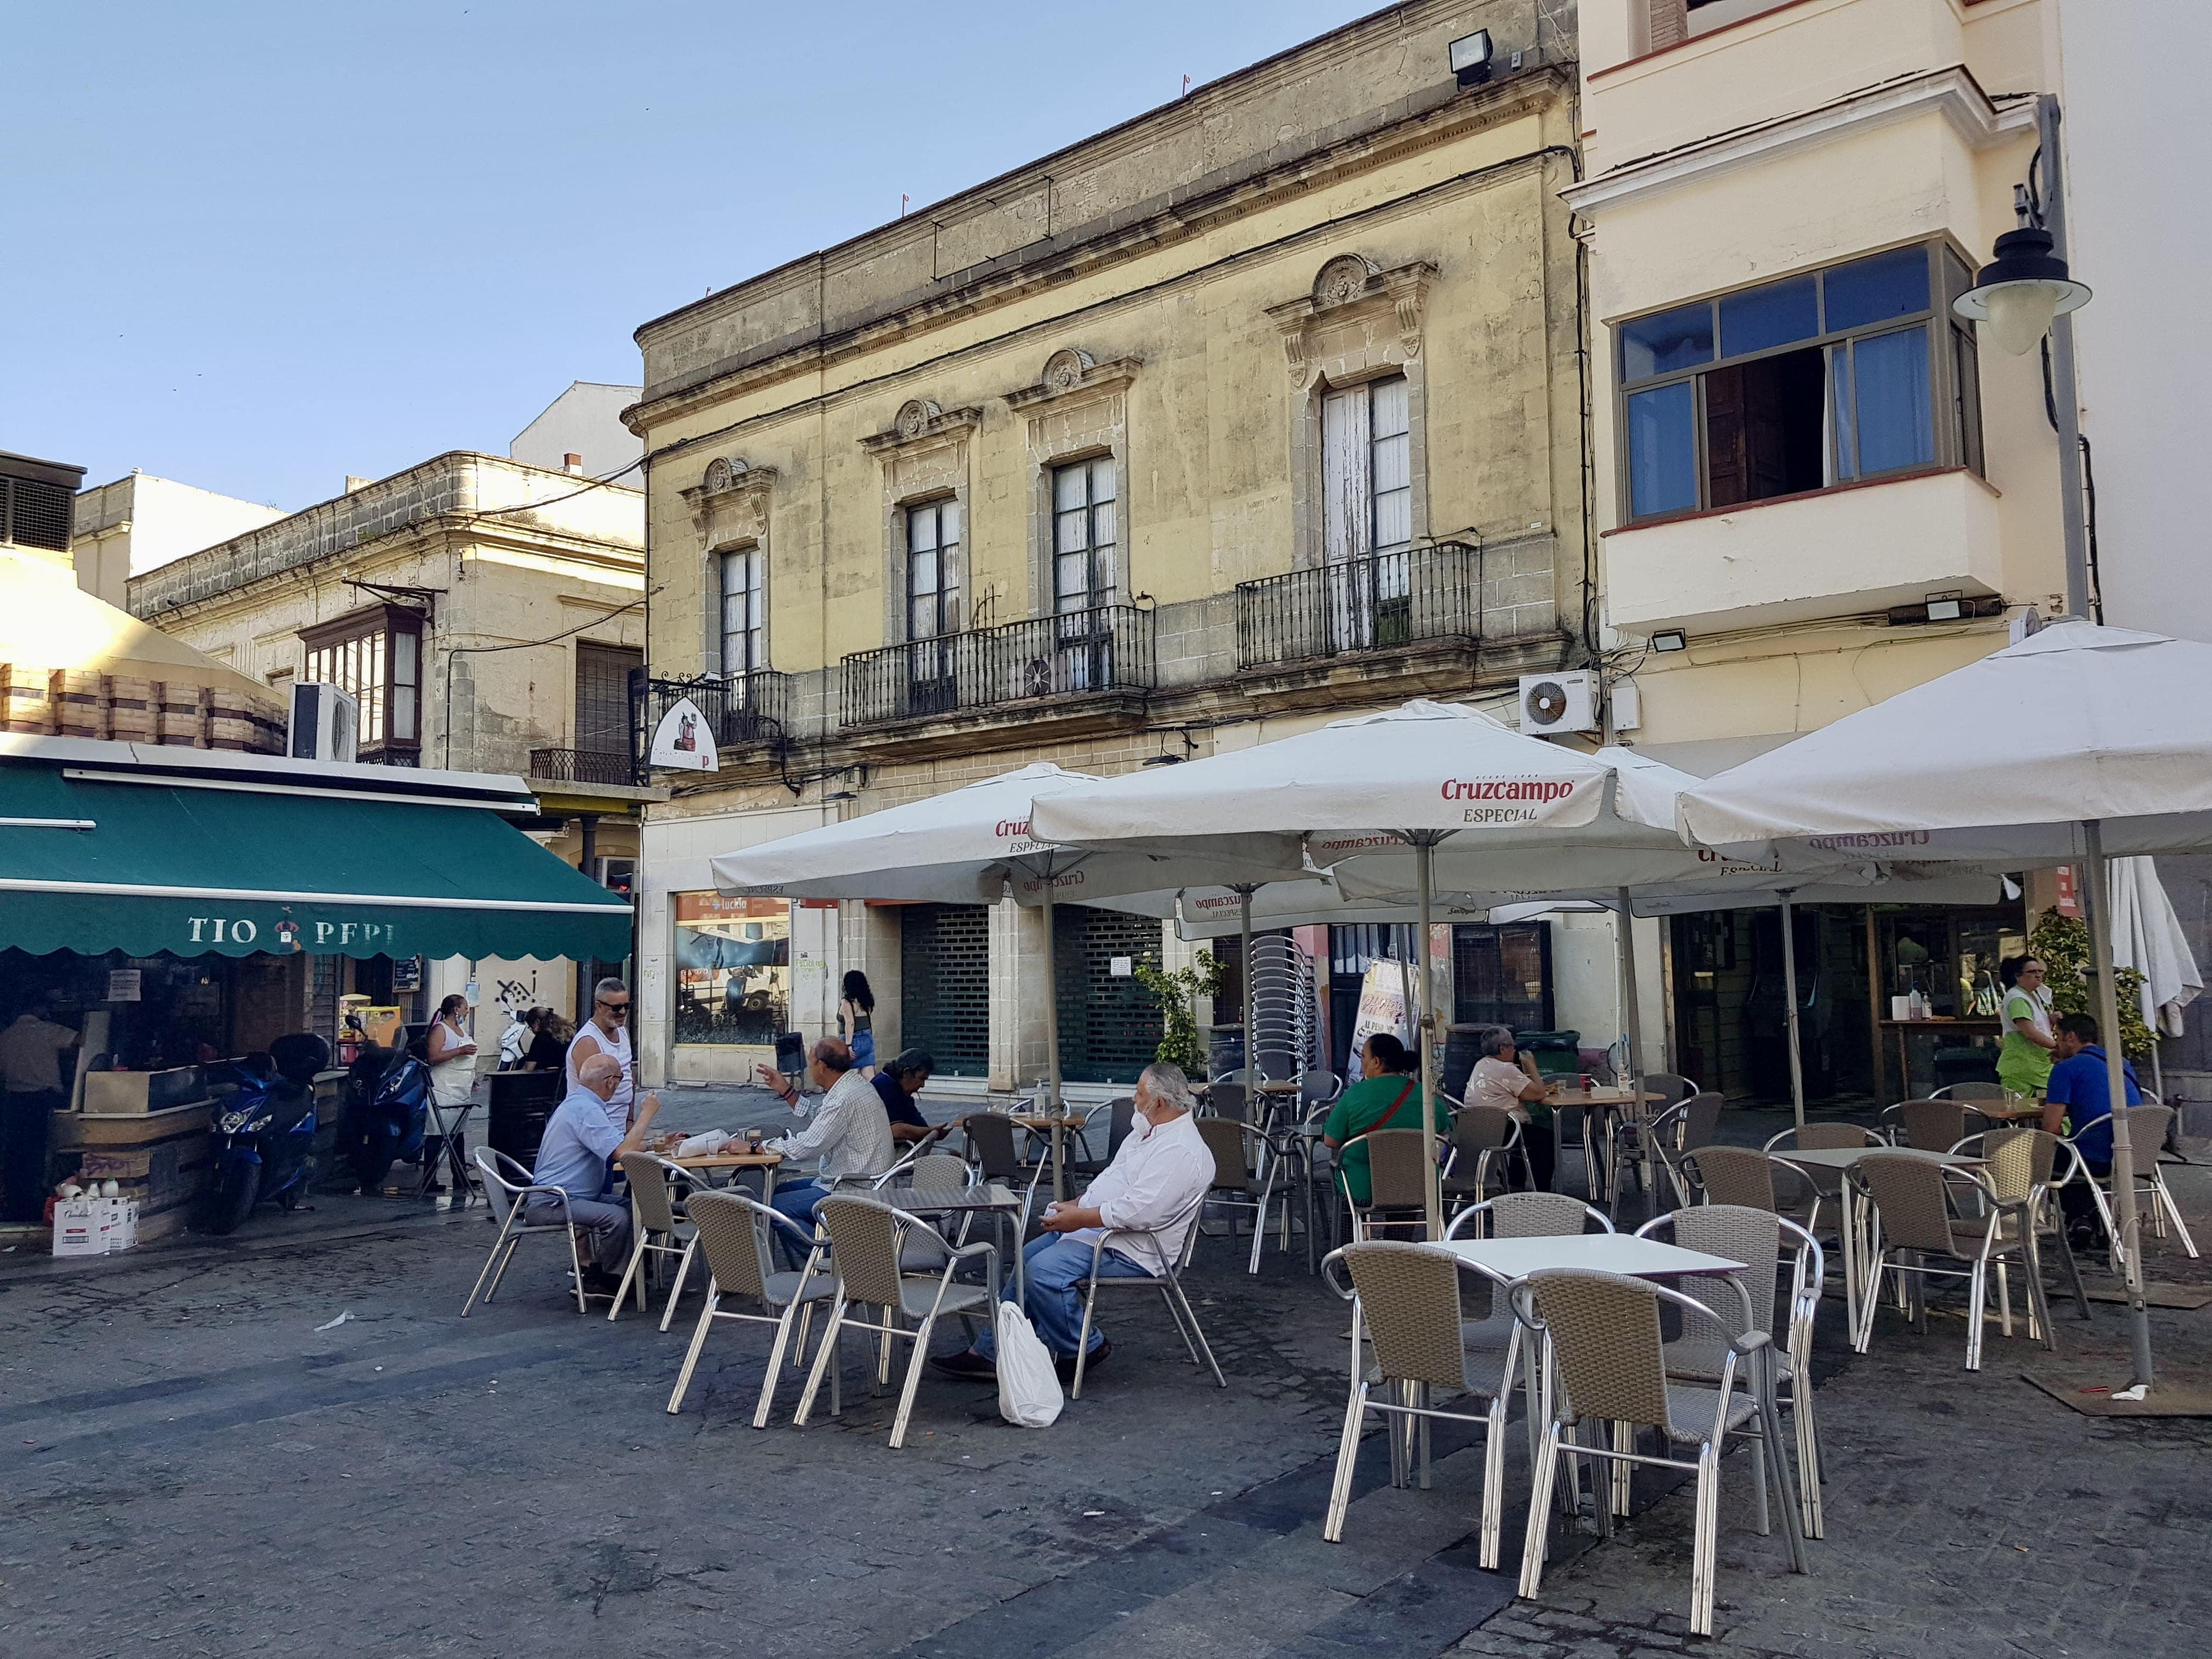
(1259, 410)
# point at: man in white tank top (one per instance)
(606, 1032)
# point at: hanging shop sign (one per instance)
(683, 740)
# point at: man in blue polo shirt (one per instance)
(2077, 1102)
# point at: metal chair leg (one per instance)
(1347, 1453)
(1539, 1513)
(497, 1244)
(825, 1358)
(683, 1269)
(691, 1354)
(1703, 1548)
(770, 1379)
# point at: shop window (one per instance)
(732, 969)
(1859, 371)
(1501, 975)
(1109, 1024)
(376, 655)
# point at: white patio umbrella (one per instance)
(1416, 776)
(2122, 764)
(968, 846)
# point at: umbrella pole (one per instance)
(1432, 1194)
(1631, 1020)
(1244, 978)
(1789, 990)
(2098, 894)
(1052, 1030)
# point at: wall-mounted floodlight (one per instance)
(1669, 639)
(1470, 58)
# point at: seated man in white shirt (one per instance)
(1510, 1082)
(1163, 1167)
(579, 1145)
(850, 1136)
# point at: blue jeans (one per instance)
(799, 1199)
(1056, 1267)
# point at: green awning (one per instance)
(95, 862)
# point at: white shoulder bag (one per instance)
(1029, 1388)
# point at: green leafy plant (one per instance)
(2061, 943)
(1181, 1041)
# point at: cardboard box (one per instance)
(81, 1225)
(131, 1094)
(123, 1218)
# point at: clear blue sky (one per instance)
(256, 247)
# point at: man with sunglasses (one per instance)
(606, 1032)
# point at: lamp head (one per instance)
(2021, 292)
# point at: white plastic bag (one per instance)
(1029, 1388)
(704, 1146)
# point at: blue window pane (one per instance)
(1663, 450)
(1874, 291)
(1761, 318)
(1896, 421)
(1680, 338)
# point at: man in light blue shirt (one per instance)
(580, 1142)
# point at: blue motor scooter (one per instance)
(264, 1128)
(387, 1108)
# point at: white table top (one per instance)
(1841, 1157)
(1608, 1253)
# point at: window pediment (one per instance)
(1356, 319)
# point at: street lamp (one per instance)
(2023, 291)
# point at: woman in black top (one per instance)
(548, 1049)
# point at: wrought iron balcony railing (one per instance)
(583, 766)
(742, 710)
(1379, 603)
(1075, 654)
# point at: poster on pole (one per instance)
(1388, 998)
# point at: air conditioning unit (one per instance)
(326, 722)
(1565, 702)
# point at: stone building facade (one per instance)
(486, 612)
(1259, 409)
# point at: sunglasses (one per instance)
(619, 1010)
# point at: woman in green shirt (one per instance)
(1387, 1096)
(2024, 1060)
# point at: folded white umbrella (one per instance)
(2147, 936)
(2117, 759)
(968, 846)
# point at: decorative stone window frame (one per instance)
(1077, 411)
(1359, 322)
(730, 514)
(925, 456)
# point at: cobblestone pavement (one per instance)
(192, 1467)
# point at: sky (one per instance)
(258, 247)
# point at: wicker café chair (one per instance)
(990, 1138)
(1528, 1215)
(866, 1241)
(733, 1231)
(509, 1188)
(1397, 1181)
(1932, 1125)
(1680, 1130)
(1608, 1363)
(1918, 1208)
(1247, 1166)
(1169, 1285)
(1405, 1300)
(656, 1193)
(1227, 1096)
(2148, 1128)
(1757, 1238)
(2028, 1166)
(1483, 1139)
(1738, 1175)
(1969, 1091)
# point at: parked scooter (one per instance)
(264, 1128)
(387, 1108)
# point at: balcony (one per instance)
(603, 766)
(1077, 665)
(750, 711)
(1384, 603)
(1846, 551)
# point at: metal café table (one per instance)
(989, 1198)
(1605, 1253)
(1608, 1100)
(707, 1163)
(1849, 1223)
